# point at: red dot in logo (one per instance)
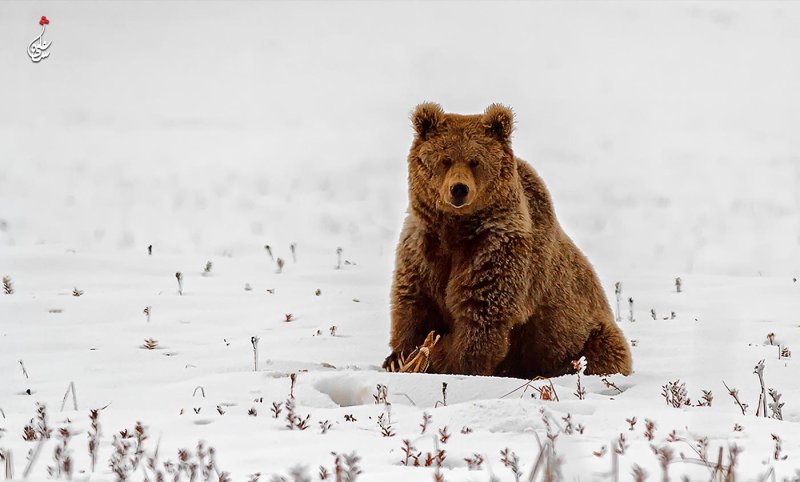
(44, 21)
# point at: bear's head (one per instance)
(460, 164)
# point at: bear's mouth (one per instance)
(458, 204)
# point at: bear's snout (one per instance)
(459, 188)
(459, 192)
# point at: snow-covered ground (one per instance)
(666, 132)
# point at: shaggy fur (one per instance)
(492, 271)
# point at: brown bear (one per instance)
(483, 262)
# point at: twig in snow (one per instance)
(179, 277)
(579, 366)
(618, 294)
(8, 459)
(762, 398)
(630, 308)
(254, 342)
(24, 371)
(609, 384)
(443, 401)
(70, 388)
(733, 392)
(33, 457)
(339, 258)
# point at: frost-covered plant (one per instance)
(426, 419)
(120, 462)
(649, 429)
(444, 435)
(293, 420)
(777, 454)
(381, 394)
(346, 467)
(675, 394)
(410, 454)
(325, 426)
(620, 445)
(568, 429)
(94, 436)
(385, 426)
(776, 406)
(8, 288)
(38, 428)
(475, 462)
(150, 344)
(638, 473)
(706, 399)
(62, 459)
(509, 459)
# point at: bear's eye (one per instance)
(446, 162)
(473, 163)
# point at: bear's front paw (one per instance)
(418, 361)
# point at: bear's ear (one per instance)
(426, 118)
(499, 121)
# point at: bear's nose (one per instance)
(459, 192)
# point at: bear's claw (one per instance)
(418, 361)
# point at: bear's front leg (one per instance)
(487, 300)
(414, 314)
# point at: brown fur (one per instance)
(497, 277)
